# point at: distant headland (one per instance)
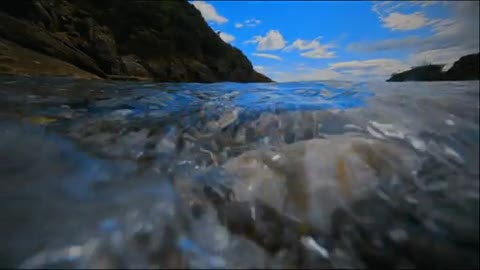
(466, 68)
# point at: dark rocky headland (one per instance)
(466, 68)
(162, 40)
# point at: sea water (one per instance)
(224, 175)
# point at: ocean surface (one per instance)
(229, 175)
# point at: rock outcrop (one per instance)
(18, 60)
(466, 68)
(420, 73)
(163, 40)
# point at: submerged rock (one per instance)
(309, 179)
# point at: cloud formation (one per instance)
(267, 55)
(248, 23)
(391, 18)
(451, 37)
(273, 40)
(209, 13)
(259, 68)
(226, 37)
(356, 70)
(374, 68)
(404, 22)
(311, 74)
(313, 48)
(383, 63)
(439, 56)
(252, 22)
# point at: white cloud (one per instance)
(312, 74)
(316, 50)
(318, 53)
(259, 68)
(226, 37)
(404, 22)
(373, 69)
(380, 68)
(301, 66)
(445, 56)
(381, 62)
(389, 14)
(209, 12)
(368, 70)
(451, 37)
(267, 55)
(252, 22)
(383, 8)
(387, 44)
(272, 41)
(248, 23)
(300, 44)
(426, 3)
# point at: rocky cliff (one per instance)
(420, 73)
(466, 68)
(164, 40)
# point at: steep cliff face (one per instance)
(466, 68)
(165, 40)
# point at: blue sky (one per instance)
(334, 40)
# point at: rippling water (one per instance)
(308, 174)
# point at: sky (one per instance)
(353, 41)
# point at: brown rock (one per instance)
(309, 179)
(17, 60)
(170, 38)
(133, 66)
(37, 39)
(102, 47)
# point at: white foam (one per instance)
(374, 133)
(122, 112)
(449, 122)
(398, 235)
(352, 126)
(388, 130)
(417, 143)
(449, 151)
(311, 244)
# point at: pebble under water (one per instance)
(97, 174)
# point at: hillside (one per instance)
(163, 40)
(466, 68)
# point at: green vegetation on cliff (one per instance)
(164, 40)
